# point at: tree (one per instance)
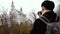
(32, 16)
(4, 18)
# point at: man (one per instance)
(47, 11)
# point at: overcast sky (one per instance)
(27, 5)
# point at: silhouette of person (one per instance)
(40, 26)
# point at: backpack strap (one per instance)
(45, 20)
(57, 18)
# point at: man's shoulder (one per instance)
(38, 19)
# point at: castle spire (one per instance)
(12, 5)
(21, 9)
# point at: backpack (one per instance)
(52, 28)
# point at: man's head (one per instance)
(47, 5)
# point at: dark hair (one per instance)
(48, 5)
(39, 12)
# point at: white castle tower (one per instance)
(15, 15)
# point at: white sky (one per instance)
(27, 5)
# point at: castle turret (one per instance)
(12, 6)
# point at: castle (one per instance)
(15, 17)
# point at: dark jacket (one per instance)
(39, 26)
